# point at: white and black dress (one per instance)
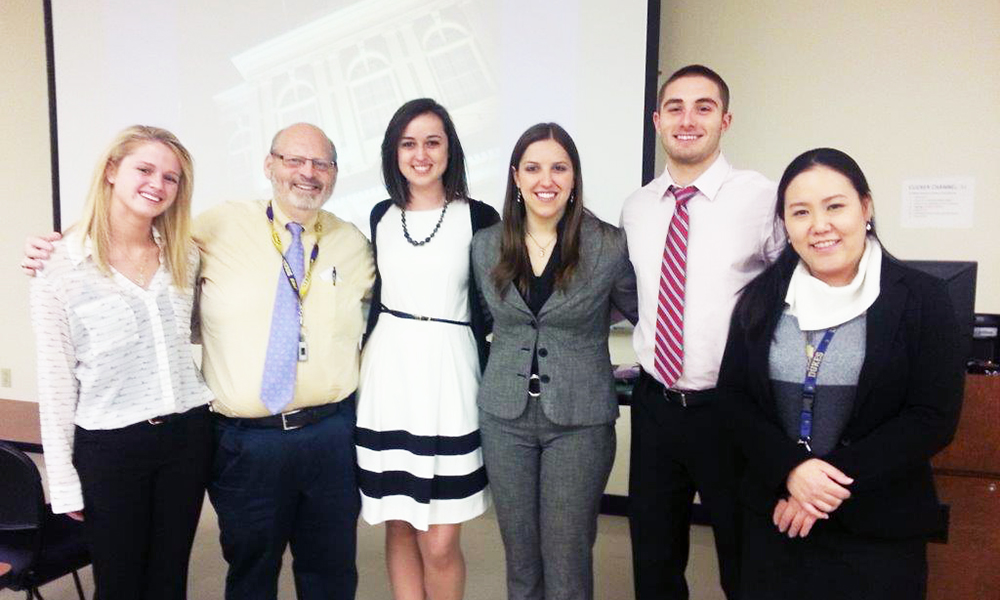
(418, 439)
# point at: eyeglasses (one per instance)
(297, 162)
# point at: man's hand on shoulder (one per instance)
(37, 250)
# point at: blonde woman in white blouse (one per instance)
(125, 423)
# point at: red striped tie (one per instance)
(669, 352)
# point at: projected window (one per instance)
(374, 93)
(456, 64)
(243, 152)
(297, 103)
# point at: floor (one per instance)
(483, 554)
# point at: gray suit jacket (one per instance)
(570, 332)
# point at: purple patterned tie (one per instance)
(277, 387)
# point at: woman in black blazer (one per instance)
(842, 377)
(549, 274)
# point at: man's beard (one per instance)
(301, 201)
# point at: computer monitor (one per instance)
(960, 279)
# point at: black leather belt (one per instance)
(684, 398)
(293, 419)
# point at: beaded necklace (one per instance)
(406, 232)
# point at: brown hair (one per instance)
(453, 179)
(697, 71)
(514, 265)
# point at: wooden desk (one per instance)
(976, 448)
(967, 475)
(19, 422)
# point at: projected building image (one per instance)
(349, 71)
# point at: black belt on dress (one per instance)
(293, 419)
(405, 315)
(685, 398)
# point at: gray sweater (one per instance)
(836, 384)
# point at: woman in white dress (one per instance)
(420, 463)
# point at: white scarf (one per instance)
(818, 305)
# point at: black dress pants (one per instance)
(143, 489)
(675, 452)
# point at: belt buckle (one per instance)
(155, 421)
(284, 423)
(534, 377)
(666, 395)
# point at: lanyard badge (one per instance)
(300, 291)
(809, 388)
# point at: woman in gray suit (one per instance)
(549, 274)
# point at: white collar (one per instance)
(817, 305)
(708, 183)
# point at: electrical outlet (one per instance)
(4, 377)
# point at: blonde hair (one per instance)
(174, 225)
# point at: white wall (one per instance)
(25, 191)
(909, 88)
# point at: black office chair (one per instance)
(40, 546)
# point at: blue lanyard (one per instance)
(809, 389)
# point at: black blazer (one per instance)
(482, 215)
(907, 405)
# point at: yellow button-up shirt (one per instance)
(239, 271)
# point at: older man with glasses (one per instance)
(280, 291)
(280, 302)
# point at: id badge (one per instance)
(303, 349)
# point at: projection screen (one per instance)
(225, 76)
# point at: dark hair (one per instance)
(762, 295)
(822, 157)
(455, 184)
(514, 264)
(696, 71)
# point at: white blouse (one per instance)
(110, 354)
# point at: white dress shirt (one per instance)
(733, 234)
(110, 354)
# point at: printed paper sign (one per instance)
(938, 203)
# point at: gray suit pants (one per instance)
(546, 481)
